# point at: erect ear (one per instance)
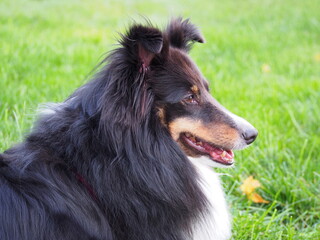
(182, 34)
(142, 43)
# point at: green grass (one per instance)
(48, 48)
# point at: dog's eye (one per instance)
(191, 99)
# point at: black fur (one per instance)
(182, 34)
(108, 132)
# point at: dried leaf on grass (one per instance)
(265, 68)
(256, 198)
(248, 188)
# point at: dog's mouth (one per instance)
(215, 153)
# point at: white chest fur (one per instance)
(216, 223)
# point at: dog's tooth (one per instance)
(223, 154)
(193, 139)
(199, 143)
(226, 159)
(188, 135)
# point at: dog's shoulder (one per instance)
(40, 198)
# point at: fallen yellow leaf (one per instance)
(317, 57)
(248, 188)
(265, 68)
(249, 185)
(256, 198)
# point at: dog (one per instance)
(129, 155)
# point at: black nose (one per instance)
(250, 135)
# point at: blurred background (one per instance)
(262, 59)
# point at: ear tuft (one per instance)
(143, 43)
(182, 34)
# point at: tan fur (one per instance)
(195, 89)
(161, 114)
(219, 134)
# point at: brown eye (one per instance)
(191, 99)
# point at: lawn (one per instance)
(263, 62)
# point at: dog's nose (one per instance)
(250, 135)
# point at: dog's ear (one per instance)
(142, 43)
(182, 34)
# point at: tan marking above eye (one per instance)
(219, 134)
(195, 89)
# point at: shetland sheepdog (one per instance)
(129, 155)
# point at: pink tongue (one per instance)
(217, 153)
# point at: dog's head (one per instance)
(180, 94)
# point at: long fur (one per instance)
(109, 133)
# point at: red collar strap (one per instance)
(87, 185)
